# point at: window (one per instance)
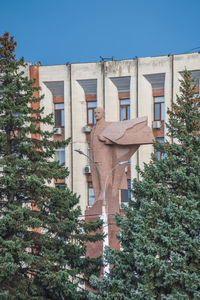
(124, 109)
(91, 195)
(126, 194)
(159, 154)
(88, 153)
(59, 115)
(15, 149)
(159, 108)
(60, 185)
(60, 156)
(91, 105)
(196, 95)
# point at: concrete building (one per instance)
(126, 89)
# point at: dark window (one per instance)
(59, 115)
(125, 109)
(126, 194)
(91, 105)
(91, 195)
(159, 108)
(15, 149)
(60, 185)
(159, 154)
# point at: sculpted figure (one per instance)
(101, 152)
(111, 143)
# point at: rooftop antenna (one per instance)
(190, 50)
(106, 58)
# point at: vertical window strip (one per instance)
(60, 156)
(159, 154)
(59, 115)
(91, 105)
(91, 195)
(159, 108)
(124, 109)
(126, 194)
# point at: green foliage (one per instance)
(42, 238)
(160, 234)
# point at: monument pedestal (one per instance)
(109, 227)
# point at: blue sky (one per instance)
(56, 32)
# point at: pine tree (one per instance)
(42, 238)
(160, 234)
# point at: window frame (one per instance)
(127, 107)
(57, 156)
(127, 192)
(60, 124)
(160, 108)
(91, 109)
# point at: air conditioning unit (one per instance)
(58, 131)
(156, 124)
(87, 129)
(87, 170)
(123, 204)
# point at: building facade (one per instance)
(126, 89)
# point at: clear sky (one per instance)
(57, 32)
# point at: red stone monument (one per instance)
(111, 146)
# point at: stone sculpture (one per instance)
(111, 143)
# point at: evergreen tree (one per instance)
(42, 238)
(160, 234)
